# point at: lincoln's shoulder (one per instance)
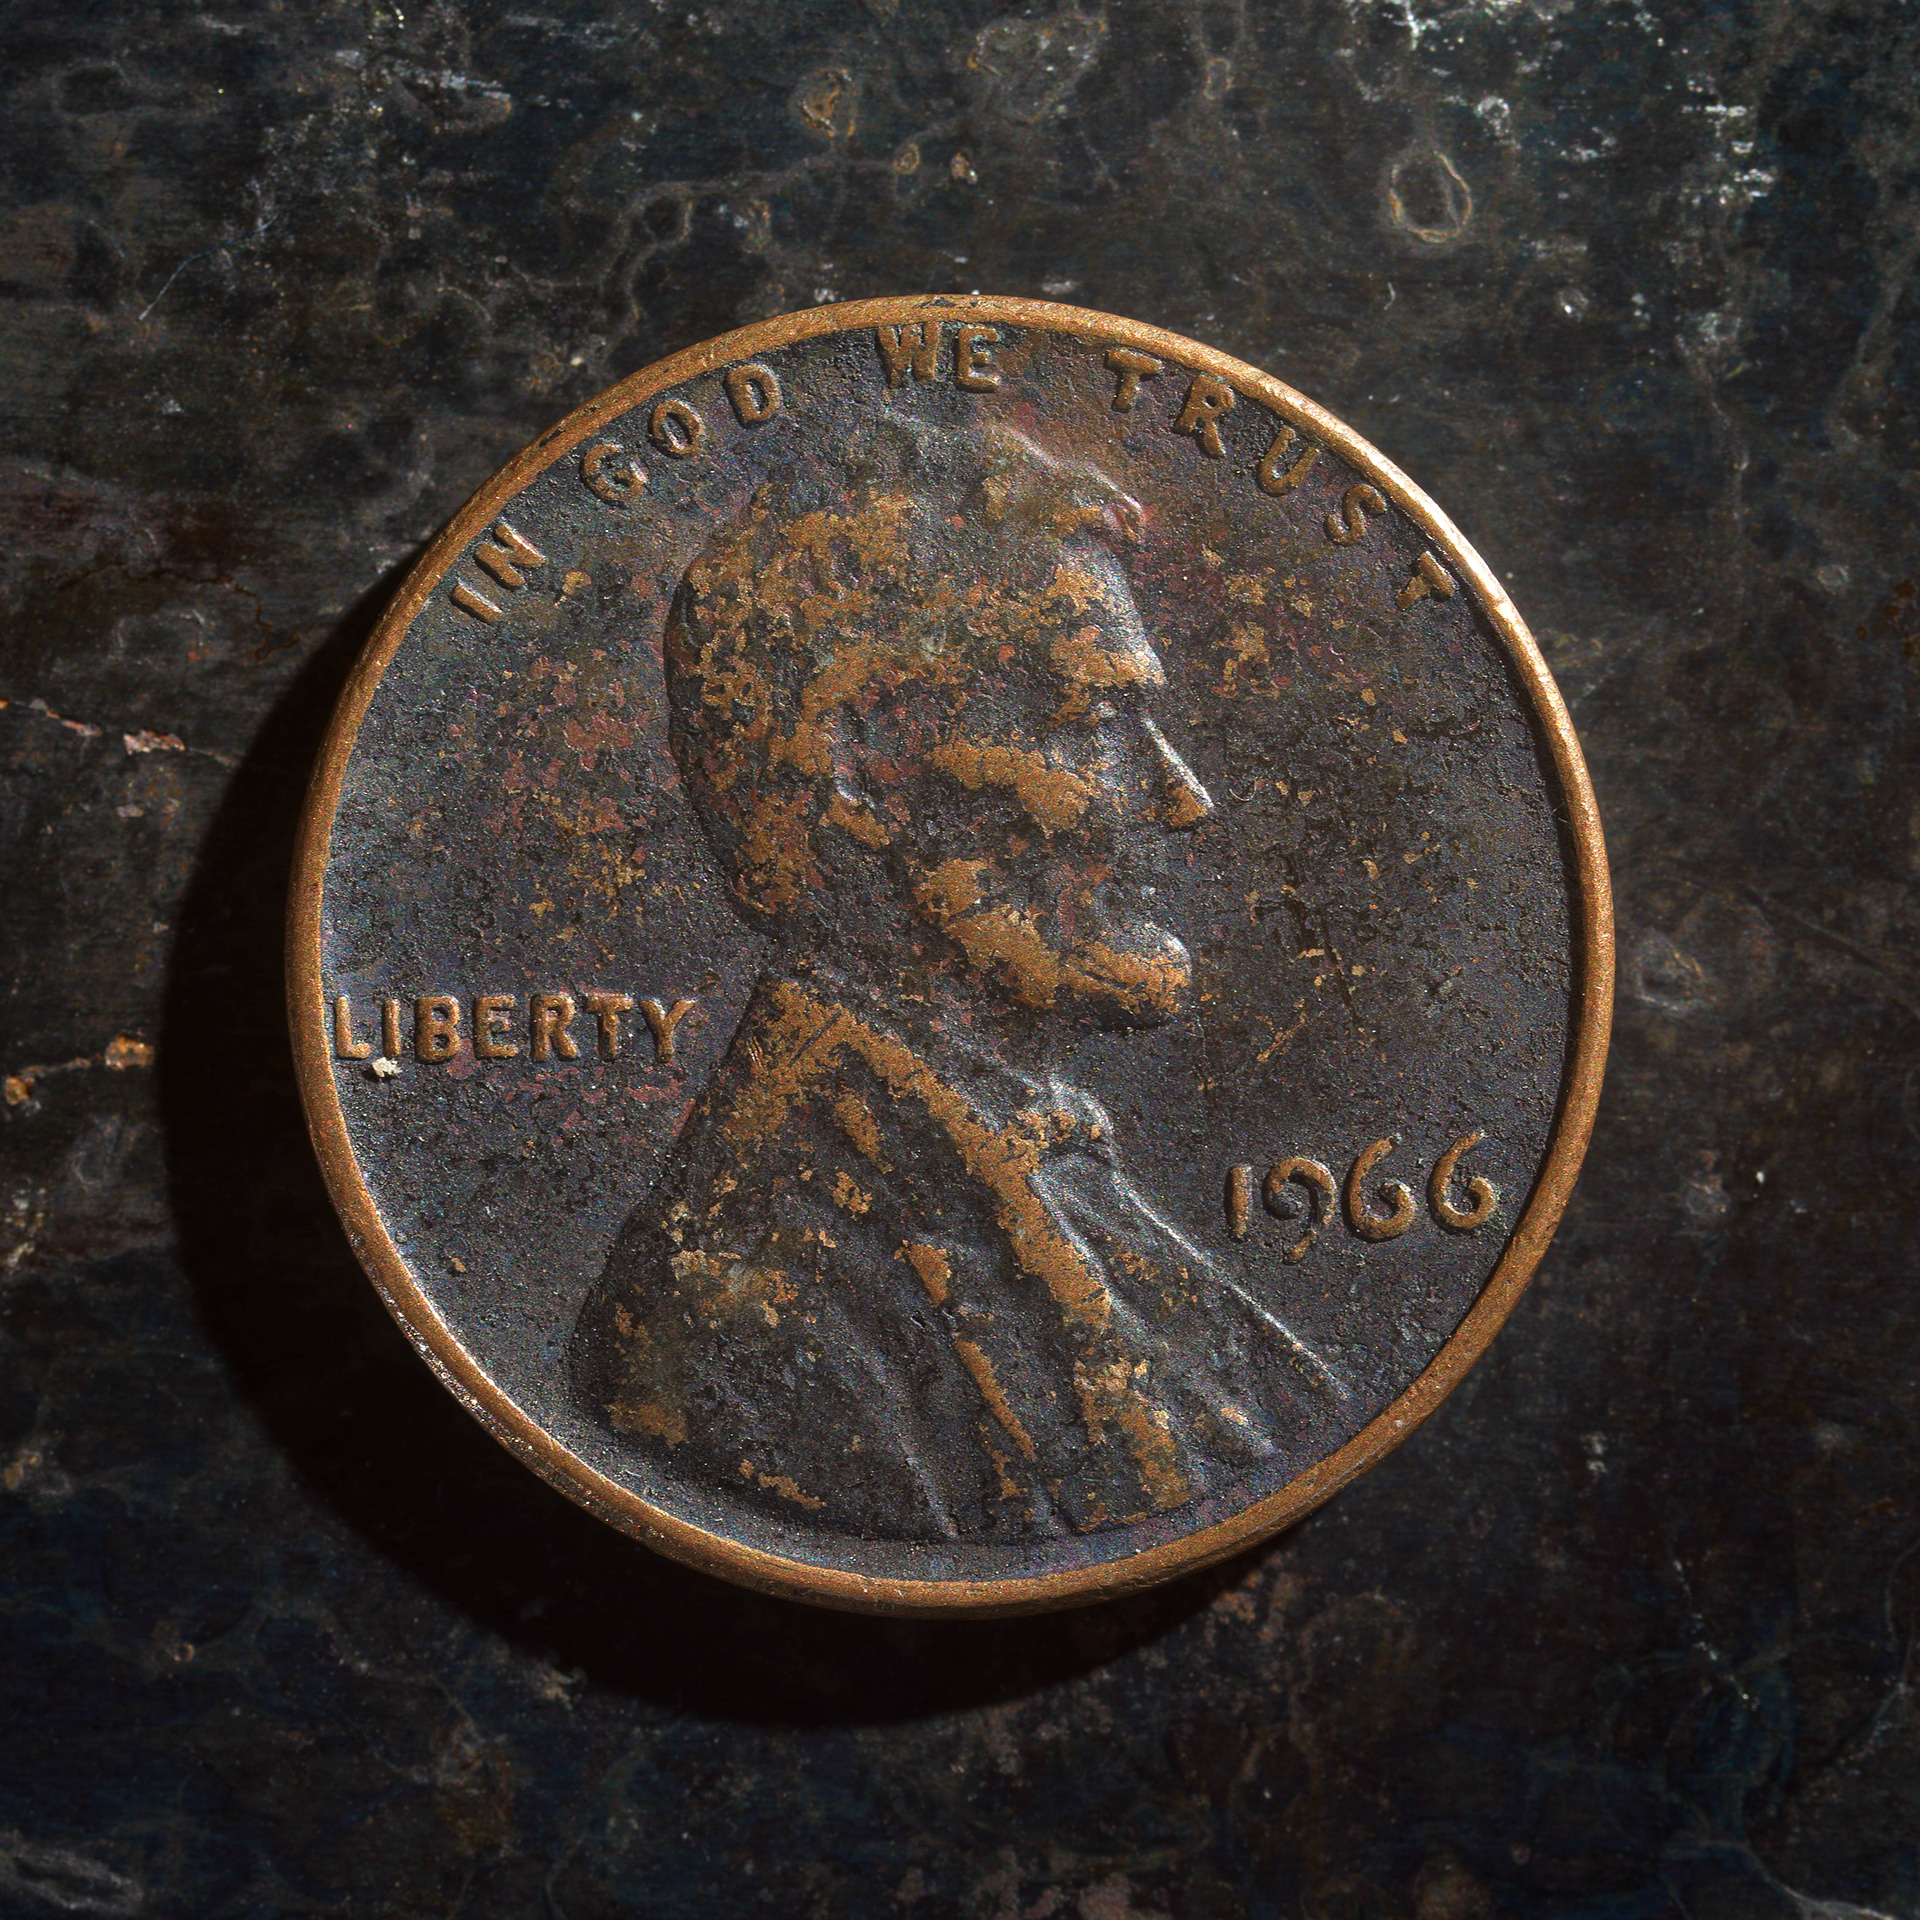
(851, 1170)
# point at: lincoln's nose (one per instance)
(1184, 801)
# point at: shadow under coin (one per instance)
(373, 1437)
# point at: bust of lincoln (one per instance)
(897, 1276)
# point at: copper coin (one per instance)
(950, 955)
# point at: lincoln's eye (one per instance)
(1103, 714)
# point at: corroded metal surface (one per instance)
(809, 703)
(1625, 1630)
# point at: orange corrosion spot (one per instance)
(1010, 944)
(649, 1417)
(787, 1489)
(858, 821)
(977, 1364)
(934, 1268)
(848, 1193)
(857, 1122)
(1051, 795)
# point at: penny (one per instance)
(950, 954)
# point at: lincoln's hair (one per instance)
(825, 615)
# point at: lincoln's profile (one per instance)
(897, 1276)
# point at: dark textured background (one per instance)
(1627, 1630)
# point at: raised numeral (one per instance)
(1483, 1194)
(1401, 1209)
(1304, 1191)
(1319, 1193)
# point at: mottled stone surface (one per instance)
(1626, 1631)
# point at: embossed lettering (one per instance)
(550, 1016)
(676, 429)
(1131, 368)
(972, 361)
(619, 485)
(477, 604)
(1272, 476)
(661, 1021)
(436, 1027)
(1349, 523)
(492, 1012)
(1320, 1191)
(508, 556)
(345, 1046)
(1428, 577)
(506, 559)
(1207, 399)
(909, 349)
(1483, 1194)
(607, 1009)
(1398, 1196)
(755, 393)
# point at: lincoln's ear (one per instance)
(851, 811)
(850, 806)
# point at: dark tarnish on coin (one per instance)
(950, 954)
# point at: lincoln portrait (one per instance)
(898, 1277)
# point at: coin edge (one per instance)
(757, 1567)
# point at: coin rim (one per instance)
(836, 1587)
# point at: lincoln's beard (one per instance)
(1130, 973)
(1076, 949)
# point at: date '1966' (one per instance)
(1304, 1192)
